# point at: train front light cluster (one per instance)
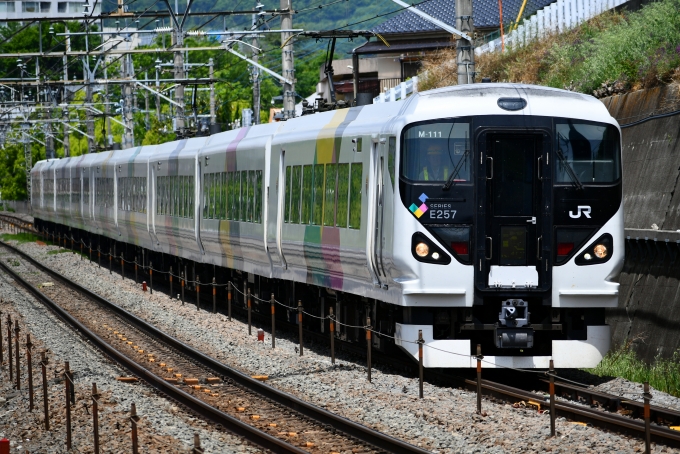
(425, 250)
(597, 252)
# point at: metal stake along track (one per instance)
(377, 439)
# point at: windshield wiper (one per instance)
(569, 170)
(451, 181)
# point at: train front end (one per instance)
(510, 219)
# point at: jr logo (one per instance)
(581, 209)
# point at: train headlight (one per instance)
(422, 250)
(435, 255)
(587, 256)
(600, 251)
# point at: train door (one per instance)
(513, 221)
(375, 210)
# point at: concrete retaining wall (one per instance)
(648, 316)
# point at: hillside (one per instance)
(615, 52)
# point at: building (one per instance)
(45, 9)
(410, 38)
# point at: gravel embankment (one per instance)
(444, 421)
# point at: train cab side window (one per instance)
(434, 152)
(355, 195)
(289, 185)
(329, 195)
(587, 153)
(391, 152)
(343, 195)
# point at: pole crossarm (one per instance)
(437, 22)
(254, 63)
(82, 53)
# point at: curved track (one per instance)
(323, 428)
(596, 408)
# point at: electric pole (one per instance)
(465, 55)
(128, 136)
(254, 70)
(88, 76)
(288, 66)
(213, 117)
(67, 141)
(178, 42)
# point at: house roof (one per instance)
(484, 15)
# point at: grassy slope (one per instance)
(629, 51)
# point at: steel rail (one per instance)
(232, 424)
(578, 412)
(348, 427)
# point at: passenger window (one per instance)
(258, 196)
(317, 198)
(329, 195)
(355, 196)
(289, 183)
(343, 194)
(295, 195)
(307, 180)
(249, 195)
(242, 185)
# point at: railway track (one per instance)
(589, 406)
(267, 417)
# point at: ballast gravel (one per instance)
(445, 421)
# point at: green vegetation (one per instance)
(662, 374)
(627, 51)
(60, 251)
(21, 238)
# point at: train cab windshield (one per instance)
(587, 153)
(437, 152)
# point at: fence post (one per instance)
(273, 322)
(133, 421)
(46, 404)
(150, 278)
(647, 397)
(331, 329)
(479, 378)
(99, 255)
(229, 301)
(2, 357)
(181, 278)
(90, 251)
(170, 282)
(16, 347)
(81, 250)
(420, 363)
(95, 417)
(198, 293)
(68, 405)
(368, 346)
(197, 445)
(300, 323)
(29, 363)
(9, 347)
(552, 398)
(122, 267)
(214, 296)
(110, 262)
(136, 274)
(249, 312)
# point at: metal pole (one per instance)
(9, 347)
(68, 406)
(133, 421)
(29, 364)
(110, 262)
(46, 404)
(332, 331)
(95, 417)
(368, 346)
(214, 296)
(128, 132)
(198, 293)
(648, 435)
(136, 275)
(146, 104)
(2, 357)
(300, 323)
(420, 363)
(255, 72)
(122, 267)
(213, 115)
(229, 301)
(150, 278)
(273, 303)
(552, 398)
(170, 282)
(479, 378)
(181, 278)
(178, 42)
(249, 313)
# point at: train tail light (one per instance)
(564, 248)
(460, 247)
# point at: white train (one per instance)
(481, 214)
